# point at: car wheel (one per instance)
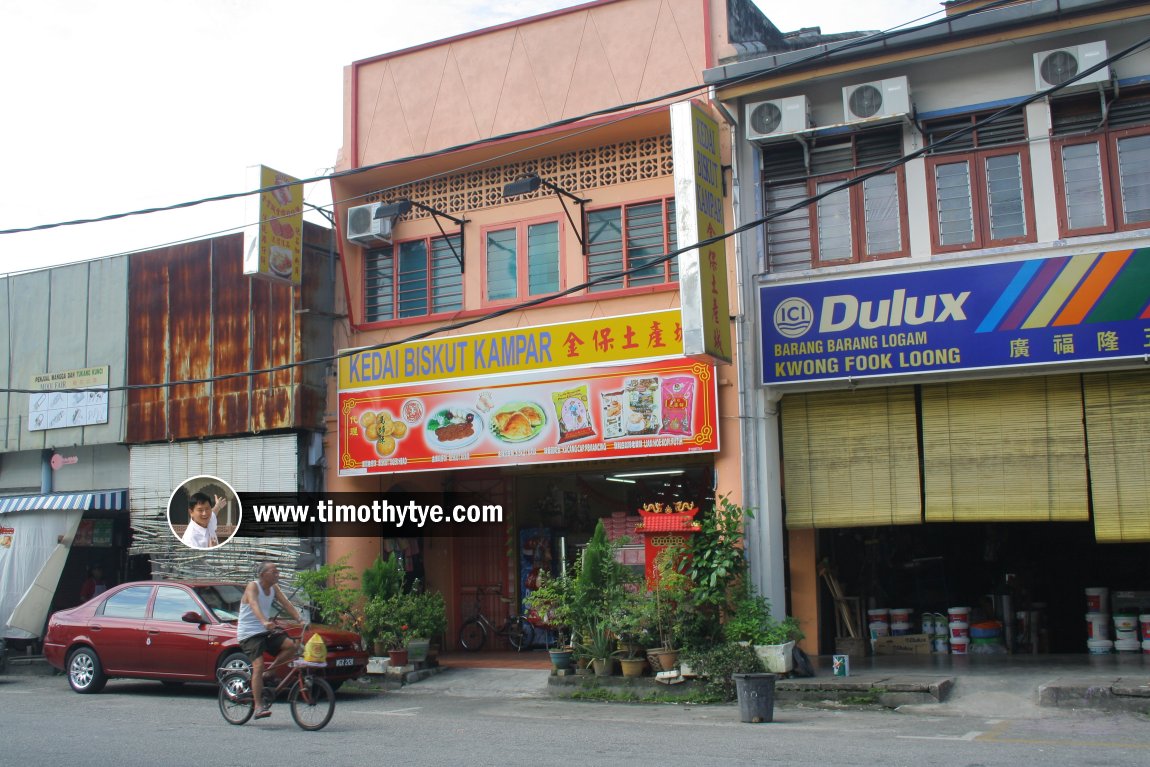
(236, 660)
(85, 673)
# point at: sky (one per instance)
(113, 106)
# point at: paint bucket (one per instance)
(941, 629)
(1145, 621)
(941, 646)
(899, 629)
(1099, 646)
(1097, 626)
(1097, 599)
(959, 630)
(878, 615)
(900, 615)
(959, 614)
(986, 630)
(1127, 645)
(879, 629)
(959, 645)
(1125, 627)
(928, 624)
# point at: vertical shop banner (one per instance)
(699, 216)
(666, 407)
(1040, 311)
(273, 247)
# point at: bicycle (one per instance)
(311, 697)
(473, 633)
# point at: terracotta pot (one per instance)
(398, 658)
(662, 658)
(603, 666)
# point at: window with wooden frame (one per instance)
(522, 261)
(413, 278)
(978, 185)
(864, 222)
(629, 236)
(1102, 163)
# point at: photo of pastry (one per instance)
(518, 421)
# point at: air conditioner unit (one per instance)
(881, 98)
(364, 228)
(777, 117)
(1056, 67)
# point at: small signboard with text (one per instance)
(273, 245)
(58, 405)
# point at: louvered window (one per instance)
(862, 222)
(1102, 163)
(412, 279)
(627, 237)
(979, 182)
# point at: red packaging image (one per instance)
(677, 395)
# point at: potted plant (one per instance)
(671, 592)
(750, 622)
(427, 617)
(599, 645)
(554, 601)
(633, 623)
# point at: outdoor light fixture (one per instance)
(660, 473)
(531, 183)
(618, 479)
(403, 205)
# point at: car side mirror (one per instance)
(191, 616)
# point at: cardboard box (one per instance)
(908, 644)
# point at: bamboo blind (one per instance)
(851, 459)
(1008, 450)
(1118, 435)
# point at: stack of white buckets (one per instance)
(1126, 627)
(948, 633)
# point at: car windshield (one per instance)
(223, 599)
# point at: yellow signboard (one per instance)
(699, 207)
(600, 341)
(274, 250)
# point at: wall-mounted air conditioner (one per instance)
(881, 98)
(777, 117)
(1056, 67)
(364, 228)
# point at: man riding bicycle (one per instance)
(256, 630)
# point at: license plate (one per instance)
(345, 661)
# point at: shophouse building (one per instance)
(951, 292)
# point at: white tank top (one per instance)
(248, 624)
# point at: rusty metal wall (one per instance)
(193, 314)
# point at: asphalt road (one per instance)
(441, 723)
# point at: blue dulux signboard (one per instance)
(1038, 311)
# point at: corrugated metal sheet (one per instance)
(193, 314)
(248, 464)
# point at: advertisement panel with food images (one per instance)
(664, 407)
(273, 248)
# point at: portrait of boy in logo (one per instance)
(204, 512)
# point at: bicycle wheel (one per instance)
(521, 634)
(312, 702)
(472, 635)
(235, 698)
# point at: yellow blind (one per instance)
(1006, 450)
(851, 459)
(1118, 435)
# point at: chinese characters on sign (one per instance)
(54, 407)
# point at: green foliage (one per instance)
(554, 601)
(718, 663)
(428, 617)
(383, 579)
(672, 590)
(634, 620)
(716, 562)
(597, 642)
(331, 591)
(750, 620)
(387, 620)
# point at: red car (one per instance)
(170, 631)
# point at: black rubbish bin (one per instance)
(756, 694)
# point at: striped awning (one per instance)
(112, 500)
